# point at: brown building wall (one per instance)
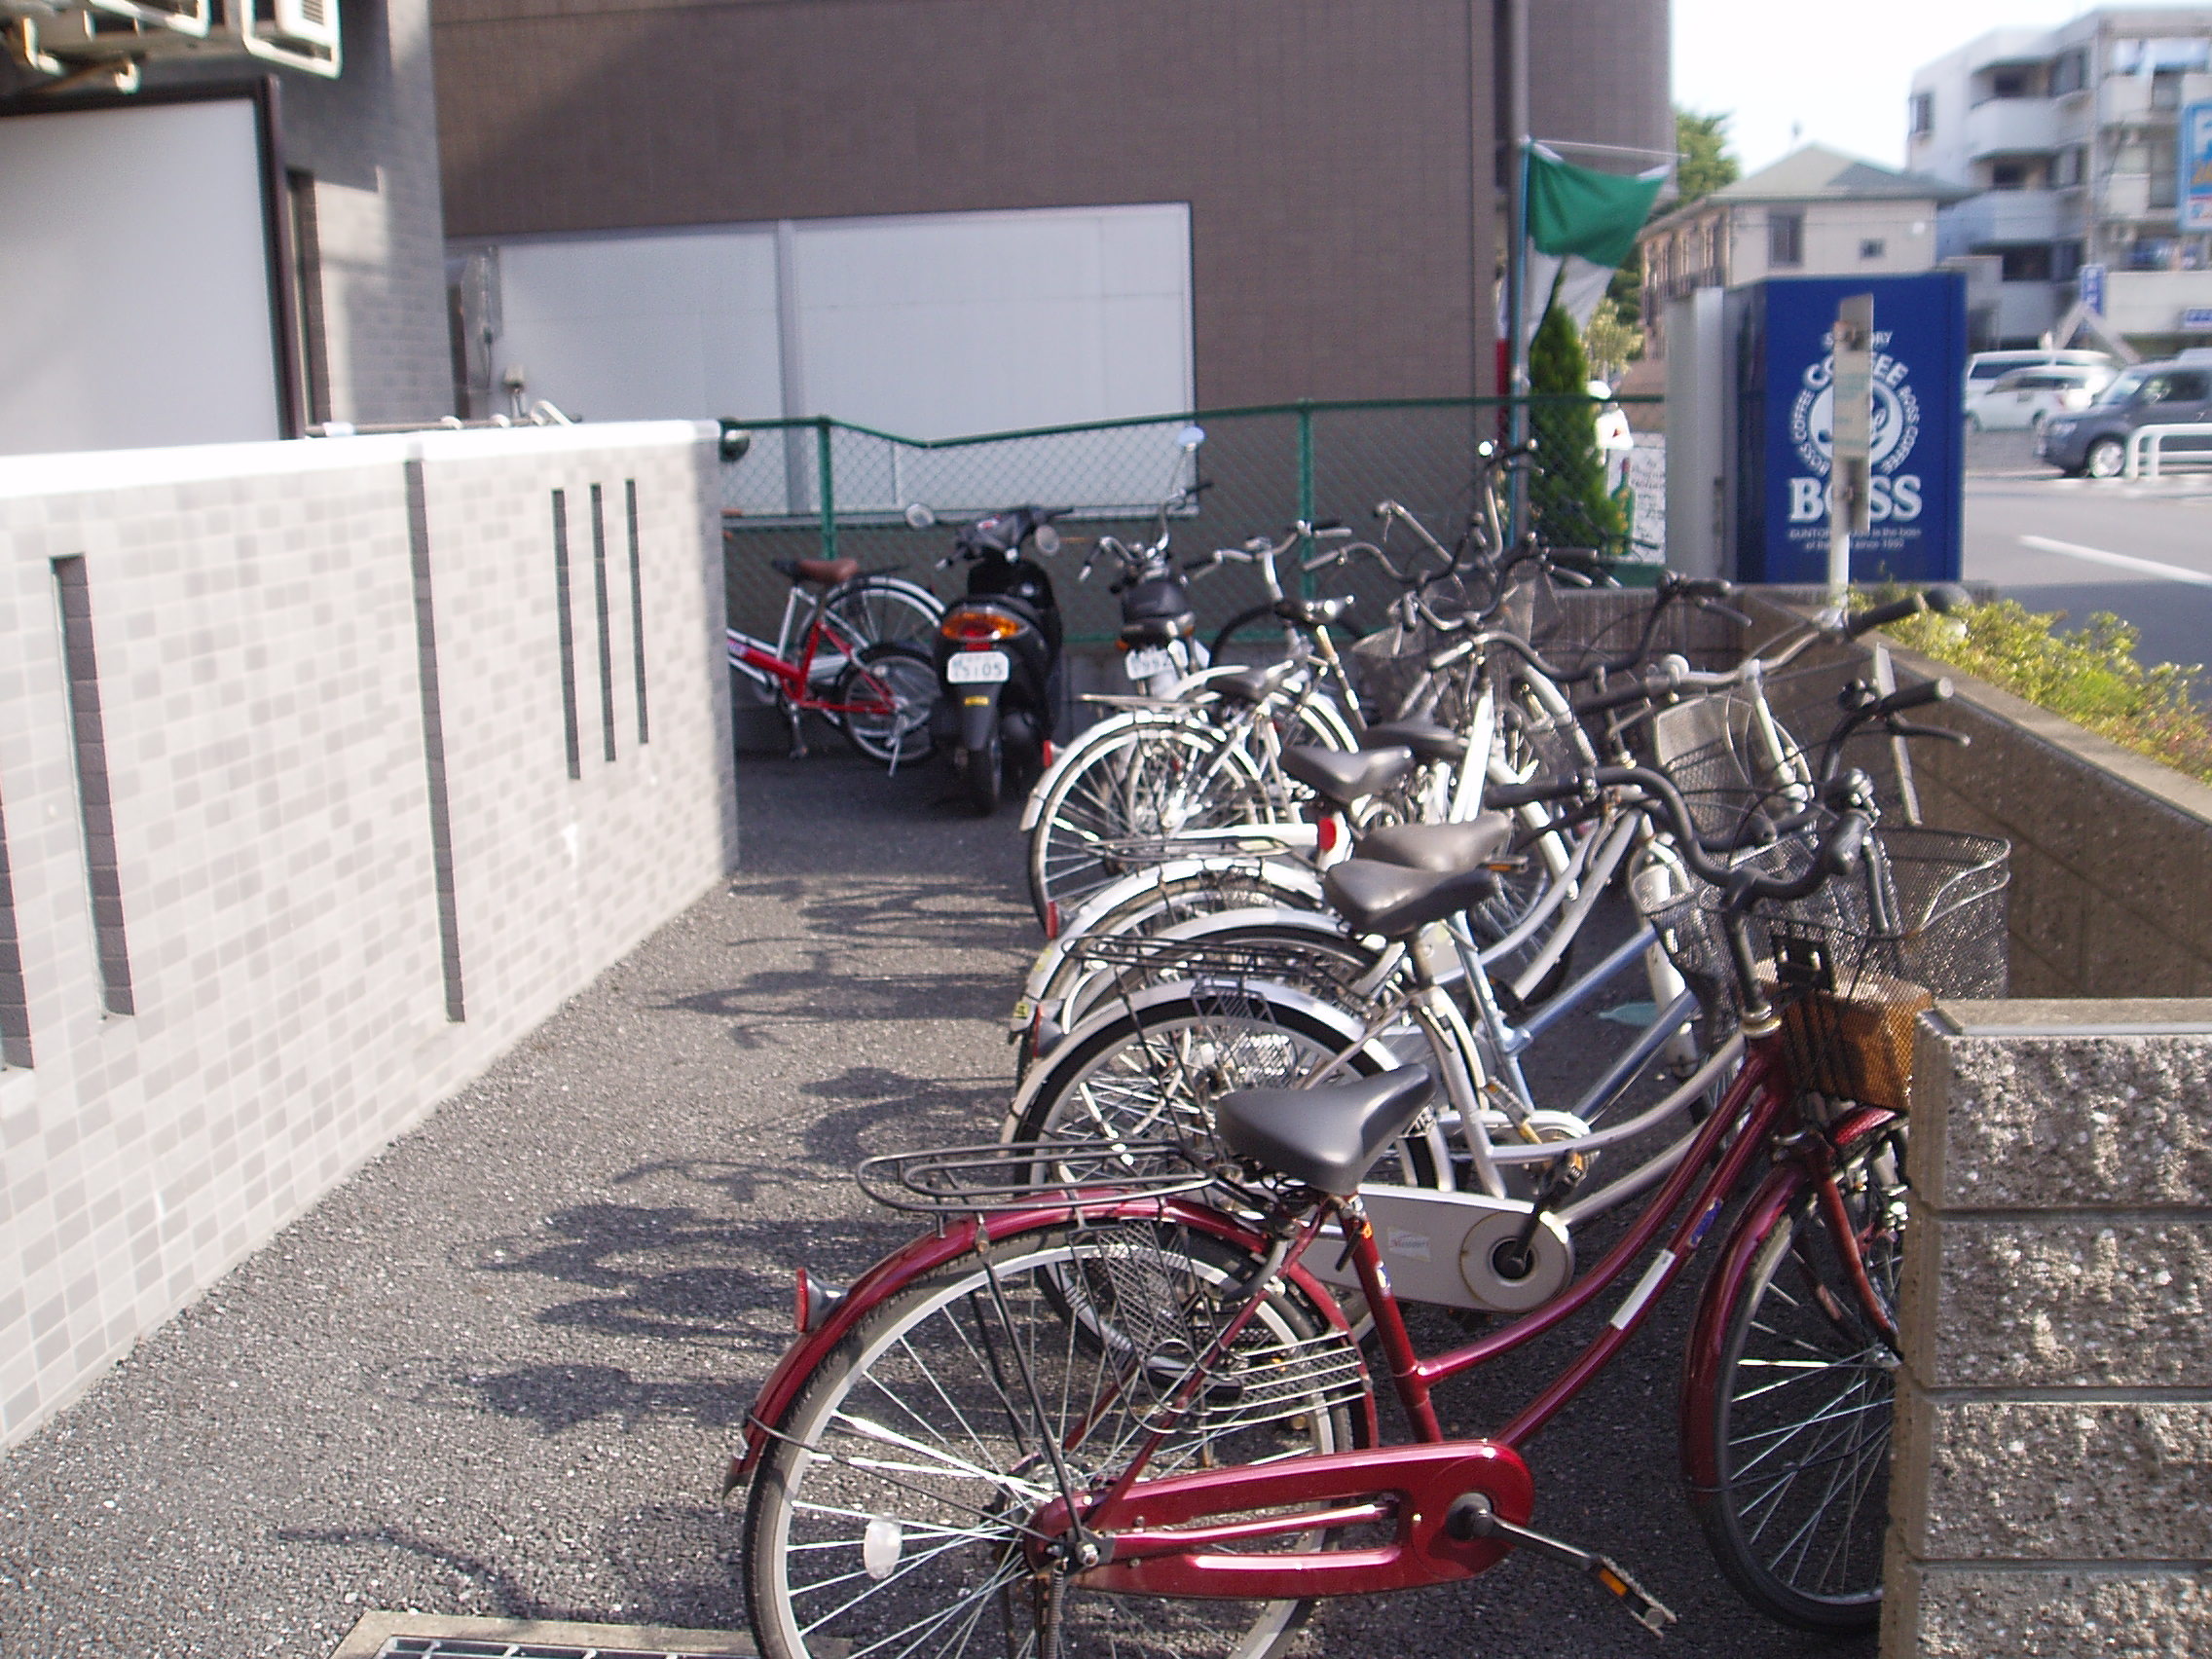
(1336, 153)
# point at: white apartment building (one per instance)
(1817, 213)
(2069, 137)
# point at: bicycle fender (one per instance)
(959, 1237)
(1709, 1327)
(1346, 1027)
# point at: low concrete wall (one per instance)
(326, 771)
(2050, 1487)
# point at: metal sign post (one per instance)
(1851, 440)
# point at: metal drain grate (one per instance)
(431, 1636)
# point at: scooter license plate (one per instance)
(1144, 663)
(977, 668)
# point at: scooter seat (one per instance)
(829, 572)
(1425, 738)
(1343, 778)
(1397, 903)
(1329, 1137)
(1442, 849)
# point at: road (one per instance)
(2142, 551)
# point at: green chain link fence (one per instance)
(821, 488)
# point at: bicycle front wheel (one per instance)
(1799, 1409)
(889, 1515)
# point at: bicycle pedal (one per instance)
(1645, 1608)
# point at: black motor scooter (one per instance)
(998, 651)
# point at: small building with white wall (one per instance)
(1817, 213)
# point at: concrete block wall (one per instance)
(296, 839)
(2051, 1487)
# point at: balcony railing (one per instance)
(2012, 126)
(2001, 218)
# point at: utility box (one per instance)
(1779, 342)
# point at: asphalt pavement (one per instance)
(500, 1371)
(2141, 550)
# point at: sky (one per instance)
(1840, 68)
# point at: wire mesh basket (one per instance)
(1735, 763)
(1858, 961)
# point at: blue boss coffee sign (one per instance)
(1785, 405)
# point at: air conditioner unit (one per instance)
(300, 34)
(191, 17)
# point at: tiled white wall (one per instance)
(253, 609)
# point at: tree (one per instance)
(1568, 489)
(1706, 164)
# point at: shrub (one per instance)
(1568, 489)
(2090, 676)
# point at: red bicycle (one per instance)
(1104, 1406)
(878, 691)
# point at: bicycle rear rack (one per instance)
(1024, 1175)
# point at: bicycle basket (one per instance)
(1732, 760)
(1932, 924)
(1858, 961)
(1389, 669)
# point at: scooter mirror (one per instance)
(1047, 540)
(1191, 437)
(919, 517)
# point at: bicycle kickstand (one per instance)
(795, 718)
(1474, 1516)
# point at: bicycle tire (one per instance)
(927, 1417)
(1804, 1377)
(900, 735)
(1265, 611)
(1149, 1071)
(1129, 791)
(886, 610)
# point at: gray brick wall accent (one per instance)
(261, 656)
(2053, 1454)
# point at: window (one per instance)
(2065, 260)
(2186, 386)
(2068, 167)
(1923, 114)
(2008, 175)
(2012, 83)
(1874, 247)
(2165, 89)
(1785, 239)
(2160, 154)
(2068, 72)
(2027, 264)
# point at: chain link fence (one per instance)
(824, 489)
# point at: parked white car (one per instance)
(2024, 398)
(1983, 367)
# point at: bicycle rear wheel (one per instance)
(886, 610)
(1124, 801)
(888, 1517)
(1796, 1504)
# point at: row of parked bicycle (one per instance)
(1383, 975)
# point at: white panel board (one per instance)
(134, 250)
(970, 322)
(645, 327)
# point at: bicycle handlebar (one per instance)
(1836, 854)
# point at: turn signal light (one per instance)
(979, 627)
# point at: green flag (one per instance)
(1582, 225)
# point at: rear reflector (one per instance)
(1051, 918)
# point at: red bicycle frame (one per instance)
(1166, 1537)
(792, 680)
